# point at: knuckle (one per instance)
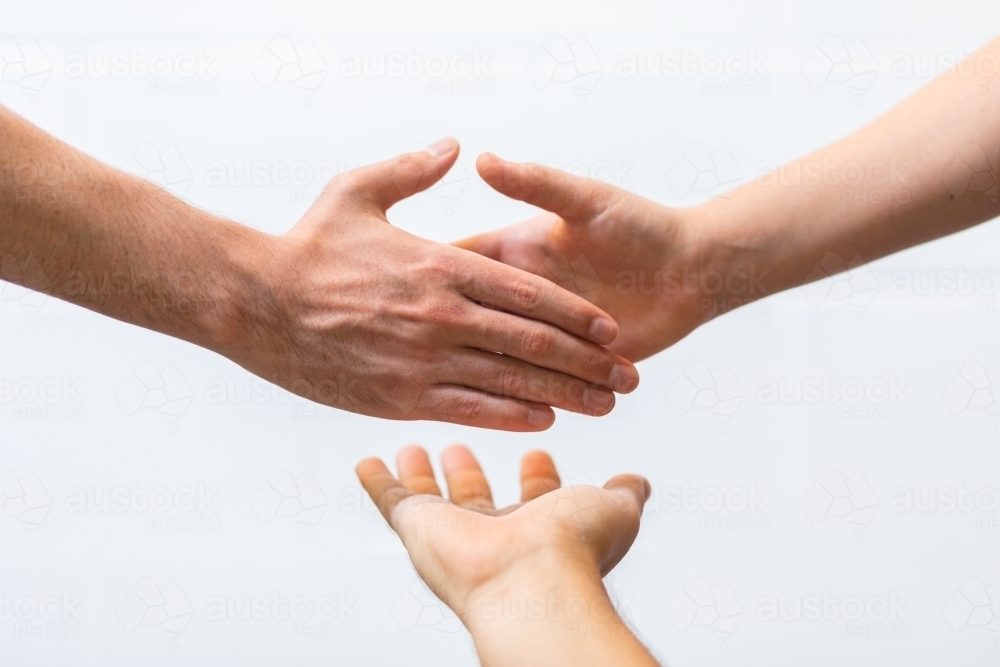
(536, 342)
(442, 267)
(445, 312)
(511, 381)
(470, 407)
(525, 293)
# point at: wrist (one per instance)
(236, 286)
(550, 610)
(732, 257)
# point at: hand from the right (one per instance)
(647, 265)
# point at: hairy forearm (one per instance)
(81, 231)
(551, 616)
(907, 178)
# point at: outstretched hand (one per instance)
(465, 547)
(637, 260)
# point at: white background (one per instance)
(934, 437)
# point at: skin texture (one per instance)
(544, 556)
(345, 309)
(927, 168)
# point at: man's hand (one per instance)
(525, 579)
(355, 313)
(345, 309)
(635, 259)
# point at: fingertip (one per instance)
(443, 148)
(457, 455)
(603, 330)
(487, 164)
(537, 463)
(369, 467)
(541, 418)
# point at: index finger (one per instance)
(503, 287)
(385, 490)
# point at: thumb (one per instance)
(389, 182)
(573, 198)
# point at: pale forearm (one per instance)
(81, 231)
(551, 617)
(898, 182)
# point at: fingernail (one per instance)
(596, 399)
(623, 379)
(603, 330)
(442, 147)
(539, 418)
